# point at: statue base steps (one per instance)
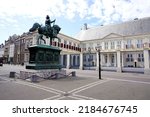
(37, 75)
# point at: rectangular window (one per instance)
(70, 43)
(140, 57)
(84, 58)
(65, 44)
(112, 45)
(105, 58)
(90, 57)
(84, 46)
(139, 43)
(91, 45)
(129, 58)
(106, 45)
(98, 44)
(27, 44)
(112, 59)
(118, 44)
(129, 44)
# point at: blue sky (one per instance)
(17, 16)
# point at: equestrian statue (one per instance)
(47, 30)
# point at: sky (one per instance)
(18, 16)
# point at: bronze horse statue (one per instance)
(43, 30)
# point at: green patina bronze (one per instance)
(45, 56)
(47, 30)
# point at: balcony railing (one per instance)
(66, 46)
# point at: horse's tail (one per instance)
(34, 27)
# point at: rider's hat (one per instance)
(47, 17)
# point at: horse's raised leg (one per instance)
(44, 41)
(41, 38)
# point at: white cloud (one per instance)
(95, 9)
(2, 25)
(76, 8)
(31, 8)
(130, 9)
(106, 10)
(71, 9)
(119, 10)
(83, 8)
(10, 20)
(116, 17)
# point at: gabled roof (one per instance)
(112, 35)
(135, 27)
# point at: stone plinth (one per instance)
(44, 57)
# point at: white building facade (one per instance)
(118, 53)
(124, 47)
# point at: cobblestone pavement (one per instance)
(85, 86)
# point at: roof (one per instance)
(135, 27)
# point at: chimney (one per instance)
(85, 26)
(135, 18)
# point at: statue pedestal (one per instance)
(44, 57)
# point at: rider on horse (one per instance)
(48, 24)
(47, 30)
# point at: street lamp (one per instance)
(89, 50)
(98, 48)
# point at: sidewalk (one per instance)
(113, 86)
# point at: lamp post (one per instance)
(98, 48)
(89, 50)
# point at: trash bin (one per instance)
(12, 74)
(34, 78)
(73, 73)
